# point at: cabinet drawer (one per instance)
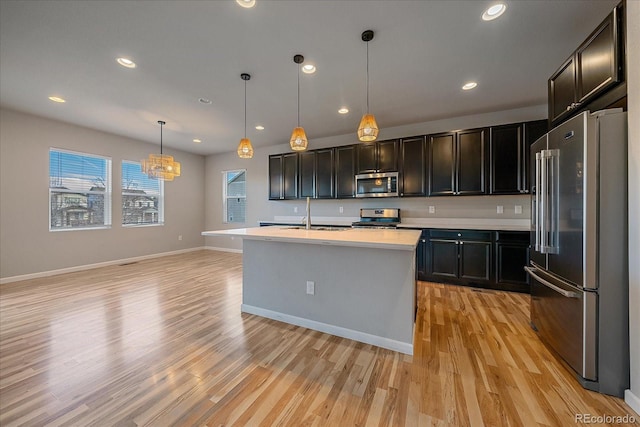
(513, 236)
(484, 236)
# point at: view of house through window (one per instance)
(234, 195)
(79, 190)
(142, 197)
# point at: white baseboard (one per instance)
(92, 266)
(632, 400)
(214, 248)
(387, 343)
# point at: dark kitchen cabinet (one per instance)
(283, 176)
(413, 167)
(460, 257)
(512, 255)
(422, 256)
(593, 69)
(345, 171)
(316, 173)
(379, 156)
(457, 163)
(509, 156)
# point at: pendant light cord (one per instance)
(367, 77)
(298, 95)
(245, 109)
(161, 140)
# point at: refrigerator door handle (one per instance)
(536, 213)
(542, 207)
(550, 285)
(554, 201)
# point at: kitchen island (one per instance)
(353, 283)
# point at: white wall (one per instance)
(633, 89)
(26, 244)
(260, 208)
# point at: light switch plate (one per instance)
(295, 209)
(500, 209)
(311, 287)
(432, 209)
(518, 209)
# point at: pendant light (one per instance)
(368, 129)
(298, 140)
(245, 150)
(160, 166)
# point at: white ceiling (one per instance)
(422, 53)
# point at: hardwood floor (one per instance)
(162, 342)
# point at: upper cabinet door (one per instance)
(597, 60)
(290, 175)
(412, 167)
(367, 158)
(387, 156)
(307, 161)
(324, 174)
(275, 177)
(471, 162)
(442, 163)
(562, 90)
(506, 151)
(345, 171)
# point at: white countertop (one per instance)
(365, 238)
(468, 223)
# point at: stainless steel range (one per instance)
(378, 218)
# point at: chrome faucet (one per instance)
(307, 218)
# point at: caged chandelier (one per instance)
(160, 166)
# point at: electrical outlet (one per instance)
(518, 210)
(500, 209)
(295, 209)
(341, 209)
(180, 237)
(432, 209)
(311, 287)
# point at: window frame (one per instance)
(225, 196)
(108, 193)
(161, 203)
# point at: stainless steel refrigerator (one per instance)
(578, 264)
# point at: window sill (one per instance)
(142, 225)
(103, 227)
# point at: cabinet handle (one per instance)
(569, 107)
(462, 243)
(459, 235)
(457, 243)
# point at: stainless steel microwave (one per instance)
(377, 184)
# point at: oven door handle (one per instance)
(550, 285)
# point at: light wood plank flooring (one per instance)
(162, 342)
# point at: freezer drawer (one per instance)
(565, 319)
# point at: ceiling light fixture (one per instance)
(246, 3)
(205, 101)
(494, 12)
(245, 150)
(368, 129)
(343, 110)
(160, 166)
(298, 141)
(469, 85)
(259, 127)
(126, 62)
(197, 141)
(57, 99)
(308, 69)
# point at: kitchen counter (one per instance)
(353, 283)
(354, 237)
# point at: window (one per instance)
(234, 195)
(142, 197)
(79, 190)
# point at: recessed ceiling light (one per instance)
(259, 127)
(197, 141)
(126, 62)
(470, 85)
(246, 3)
(494, 11)
(204, 101)
(309, 69)
(343, 110)
(57, 99)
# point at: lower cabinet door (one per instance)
(475, 261)
(444, 258)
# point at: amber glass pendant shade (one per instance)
(245, 150)
(160, 166)
(368, 129)
(298, 140)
